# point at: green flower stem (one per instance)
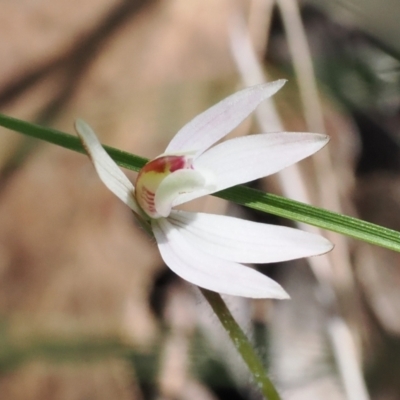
(242, 344)
(122, 158)
(252, 198)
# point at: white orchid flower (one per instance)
(204, 249)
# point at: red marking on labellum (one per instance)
(148, 197)
(177, 163)
(167, 163)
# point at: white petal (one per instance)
(210, 272)
(247, 158)
(108, 171)
(216, 122)
(245, 241)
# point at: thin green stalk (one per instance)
(251, 198)
(122, 158)
(242, 344)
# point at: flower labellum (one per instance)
(153, 179)
(205, 249)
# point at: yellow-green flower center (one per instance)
(151, 176)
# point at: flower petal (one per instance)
(108, 171)
(244, 241)
(216, 122)
(247, 158)
(210, 272)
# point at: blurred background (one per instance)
(88, 310)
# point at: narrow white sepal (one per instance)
(108, 171)
(244, 241)
(247, 158)
(209, 272)
(216, 122)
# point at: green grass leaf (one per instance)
(245, 196)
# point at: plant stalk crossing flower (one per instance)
(205, 249)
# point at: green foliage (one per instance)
(252, 198)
